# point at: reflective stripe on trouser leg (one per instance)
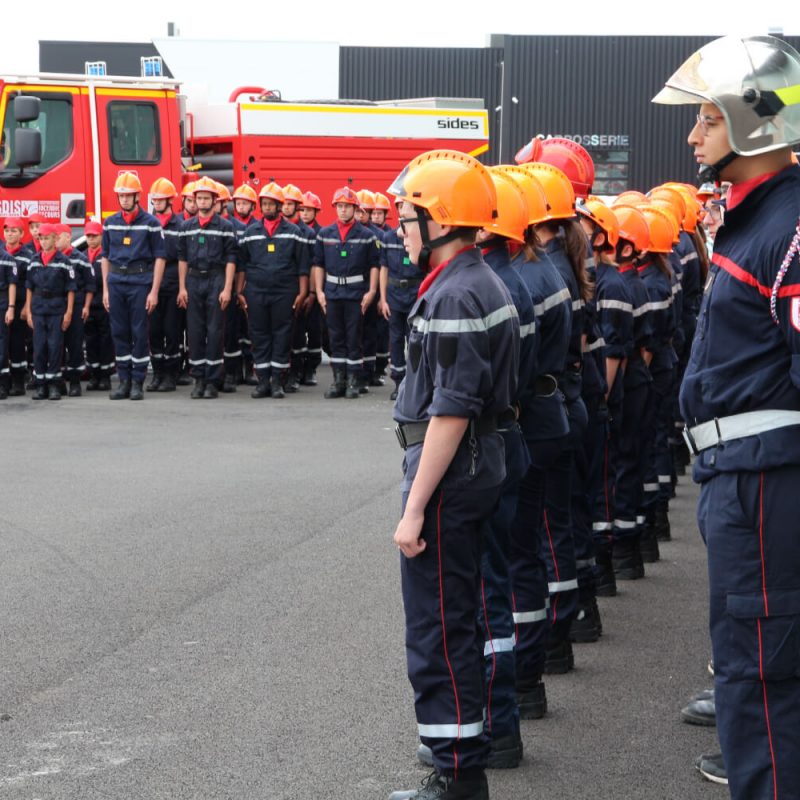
(382, 349)
(205, 321)
(496, 618)
(99, 347)
(48, 346)
(74, 361)
(259, 313)
(165, 328)
(443, 647)
(558, 548)
(282, 319)
(528, 570)
(314, 337)
(749, 522)
(369, 337)
(129, 328)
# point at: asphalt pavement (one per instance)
(201, 600)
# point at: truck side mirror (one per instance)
(27, 147)
(26, 108)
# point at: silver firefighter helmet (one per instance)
(754, 81)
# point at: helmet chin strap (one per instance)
(710, 173)
(428, 244)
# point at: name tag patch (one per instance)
(270, 248)
(343, 254)
(126, 240)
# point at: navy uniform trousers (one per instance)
(750, 525)
(271, 316)
(496, 612)
(99, 346)
(441, 588)
(345, 323)
(129, 327)
(205, 321)
(165, 326)
(74, 361)
(48, 347)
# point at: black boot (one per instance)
(17, 386)
(184, 378)
(198, 389)
(75, 388)
(3, 389)
(137, 390)
(558, 659)
(626, 559)
(94, 382)
(505, 752)
(40, 392)
(531, 699)
(648, 545)
(104, 384)
(155, 381)
(54, 390)
(393, 395)
(292, 383)
(229, 384)
(605, 582)
(276, 387)
(585, 627)
(470, 785)
(210, 392)
(353, 387)
(309, 377)
(262, 388)
(338, 387)
(122, 392)
(168, 382)
(661, 523)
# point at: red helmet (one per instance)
(345, 195)
(93, 228)
(14, 222)
(311, 200)
(570, 157)
(63, 228)
(37, 219)
(48, 229)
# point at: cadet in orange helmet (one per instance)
(381, 211)
(461, 380)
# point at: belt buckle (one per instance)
(401, 436)
(690, 442)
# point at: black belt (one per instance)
(411, 433)
(47, 294)
(545, 385)
(130, 269)
(197, 272)
(405, 283)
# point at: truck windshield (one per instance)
(55, 124)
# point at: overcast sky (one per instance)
(423, 23)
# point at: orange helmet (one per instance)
(366, 199)
(224, 193)
(127, 183)
(632, 226)
(512, 209)
(673, 196)
(669, 209)
(598, 212)
(245, 192)
(557, 188)
(570, 157)
(345, 195)
(691, 202)
(628, 198)
(311, 200)
(273, 192)
(535, 198)
(660, 229)
(382, 202)
(188, 189)
(454, 188)
(162, 189)
(206, 185)
(291, 192)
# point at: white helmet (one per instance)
(755, 83)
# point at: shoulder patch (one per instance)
(795, 315)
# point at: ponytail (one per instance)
(576, 248)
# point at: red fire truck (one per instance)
(65, 138)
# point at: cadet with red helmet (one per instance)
(97, 330)
(271, 285)
(461, 381)
(49, 307)
(18, 331)
(741, 401)
(206, 268)
(165, 323)
(133, 266)
(346, 263)
(8, 303)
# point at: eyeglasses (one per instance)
(703, 121)
(404, 220)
